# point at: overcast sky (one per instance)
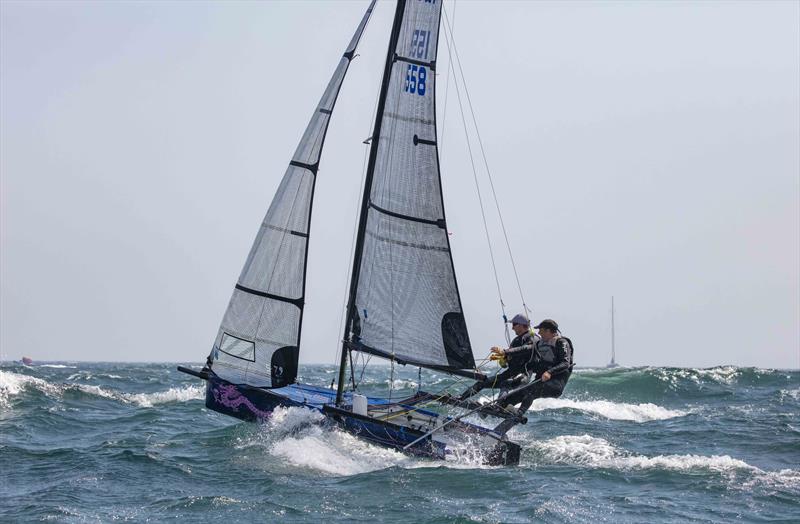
(646, 150)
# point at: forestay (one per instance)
(258, 341)
(407, 306)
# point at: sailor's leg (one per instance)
(525, 402)
(509, 384)
(507, 424)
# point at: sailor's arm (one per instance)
(514, 350)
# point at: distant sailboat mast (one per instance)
(613, 362)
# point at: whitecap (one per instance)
(95, 390)
(610, 410)
(400, 383)
(12, 384)
(183, 394)
(791, 393)
(57, 366)
(594, 452)
(720, 374)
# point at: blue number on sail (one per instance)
(416, 77)
(411, 79)
(419, 43)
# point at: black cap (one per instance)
(548, 323)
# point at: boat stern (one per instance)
(505, 453)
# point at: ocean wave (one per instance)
(698, 385)
(404, 383)
(182, 394)
(400, 383)
(86, 375)
(593, 452)
(721, 374)
(13, 384)
(57, 366)
(789, 393)
(610, 410)
(145, 400)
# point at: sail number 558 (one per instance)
(415, 79)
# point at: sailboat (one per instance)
(613, 363)
(403, 303)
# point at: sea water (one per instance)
(101, 442)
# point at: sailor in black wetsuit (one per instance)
(517, 357)
(548, 357)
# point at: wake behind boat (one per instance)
(403, 303)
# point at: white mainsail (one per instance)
(404, 302)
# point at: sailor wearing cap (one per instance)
(516, 360)
(548, 356)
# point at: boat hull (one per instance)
(243, 402)
(256, 404)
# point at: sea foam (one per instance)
(594, 452)
(721, 375)
(182, 394)
(12, 384)
(296, 436)
(300, 437)
(610, 410)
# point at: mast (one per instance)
(613, 349)
(362, 224)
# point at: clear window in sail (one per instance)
(238, 347)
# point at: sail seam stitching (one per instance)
(408, 244)
(286, 230)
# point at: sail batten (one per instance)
(259, 338)
(404, 297)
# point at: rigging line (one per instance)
(486, 164)
(391, 378)
(446, 87)
(477, 185)
(365, 361)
